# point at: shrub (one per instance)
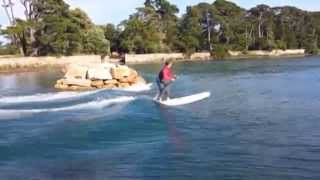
(220, 51)
(281, 45)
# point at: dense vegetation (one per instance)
(51, 27)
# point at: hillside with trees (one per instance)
(52, 28)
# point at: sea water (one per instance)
(262, 122)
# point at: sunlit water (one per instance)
(262, 122)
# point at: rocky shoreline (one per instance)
(14, 64)
(272, 54)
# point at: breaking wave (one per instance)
(65, 95)
(138, 88)
(16, 113)
(44, 97)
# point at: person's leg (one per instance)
(162, 92)
(165, 90)
(160, 88)
(167, 95)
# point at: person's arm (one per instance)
(172, 77)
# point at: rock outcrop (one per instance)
(99, 76)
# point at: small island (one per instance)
(99, 76)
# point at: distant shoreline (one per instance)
(17, 64)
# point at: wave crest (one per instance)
(16, 113)
(44, 97)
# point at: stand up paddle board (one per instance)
(185, 100)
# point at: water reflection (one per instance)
(28, 82)
(175, 137)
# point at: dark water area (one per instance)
(262, 122)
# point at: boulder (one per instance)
(76, 72)
(134, 73)
(113, 82)
(130, 79)
(100, 73)
(140, 80)
(109, 86)
(77, 82)
(102, 65)
(135, 80)
(61, 86)
(60, 81)
(120, 72)
(124, 85)
(97, 83)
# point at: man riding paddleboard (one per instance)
(164, 80)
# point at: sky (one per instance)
(114, 11)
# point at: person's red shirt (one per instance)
(167, 74)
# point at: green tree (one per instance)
(19, 31)
(57, 33)
(113, 35)
(153, 28)
(51, 28)
(191, 31)
(140, 37)
(95, 42)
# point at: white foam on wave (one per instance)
(95, 104)
(44, 97)
(65, 95)
(137, 88)
(16, 113)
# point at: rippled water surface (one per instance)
(262, 122)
